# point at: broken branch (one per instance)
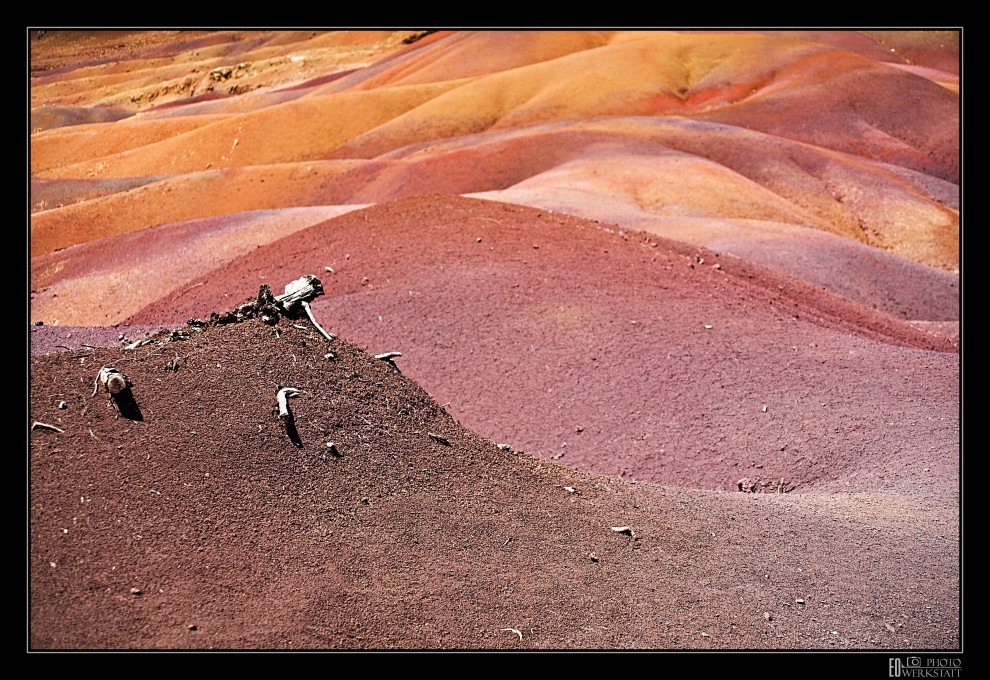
(309, 312)
(139, 343)
(285, 415)
(112, 380)
(389, 358)
(45, 426)
(283, 406)
(299, 291)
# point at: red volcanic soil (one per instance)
(617, 352)
(668, 387)
(185, 515)
(678, 314)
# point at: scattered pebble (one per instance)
(135, 591)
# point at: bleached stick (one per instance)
(309, 312)
(112, 380)
(283, 405)
(299, 291)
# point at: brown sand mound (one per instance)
(187, 518)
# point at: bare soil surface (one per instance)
(777, 511)
(679, 315)
(183, 515)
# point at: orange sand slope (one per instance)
(734, 140)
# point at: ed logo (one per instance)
(896, 666)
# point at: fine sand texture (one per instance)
(621, 340)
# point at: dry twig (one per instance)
(283, 406)
(439, 439)
(389, 358)
(309, 312)
(112, 380)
